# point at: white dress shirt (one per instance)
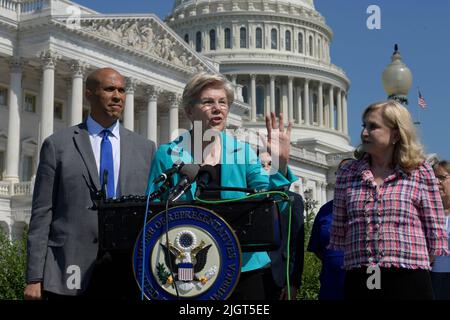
(96, 137)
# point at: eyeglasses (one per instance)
(442, 178)
(209, 103)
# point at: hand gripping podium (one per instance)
(198, 254)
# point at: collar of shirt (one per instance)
(94, 128)
(367, 175)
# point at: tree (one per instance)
(12, 267)
(311, 271)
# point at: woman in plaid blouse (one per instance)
(387, 212)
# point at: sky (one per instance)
(419, 28)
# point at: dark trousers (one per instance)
(396, 284)
(112, 278)
(441, 285)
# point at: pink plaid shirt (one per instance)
(399, 224)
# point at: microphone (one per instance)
(188, 174)
(169, 172)
(206, 174)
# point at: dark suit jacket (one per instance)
(63, 233)
(279, 257)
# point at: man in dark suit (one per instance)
(62, 249)
(278, 281)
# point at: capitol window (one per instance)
(288, 40)
(315, 109)
(277, 100)
(198, 42)
(259, 40)
(186, 38)
(300, 42)
(260, 94)
(58, 110)
(212, 39)
(274, 39)
(29, 103)
(27, 168)
(318, 48)
(243, 37)
(227, 39)
(3, 97)
(245, 93)
(311, 46)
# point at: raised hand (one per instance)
(278, 142)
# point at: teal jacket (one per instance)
(240, 167)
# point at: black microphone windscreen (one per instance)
(190, 171)
(209, 171)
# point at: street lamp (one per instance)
(397, 78)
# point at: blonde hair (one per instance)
(202, 80)
(408, 151)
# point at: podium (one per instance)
(191, 251)
(255, 222)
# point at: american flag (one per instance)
(421, 101)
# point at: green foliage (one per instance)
(12, 267)
(310, 279)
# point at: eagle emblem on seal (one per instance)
(185, 259)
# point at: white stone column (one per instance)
(331, 105)
(76, 94)
(267, 100)
(345, 113)
(128, 114)
(320, 103)
(234, 82)
(235, 36)
(318, 193)
(339, 110)
(69, 83)
(14, 103)
(306, 101)
(272, 93)
(291, 99)
(324, 193)
(299, 105)
(253, 95)
(173, 116)
(152, 113)
(48, 94)
(219, 38)
(327, 115)
(284, 106)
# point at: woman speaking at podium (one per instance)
(206, 101)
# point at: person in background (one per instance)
(388, 216)
(440, 274)
(278, 258)
(332, 274)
